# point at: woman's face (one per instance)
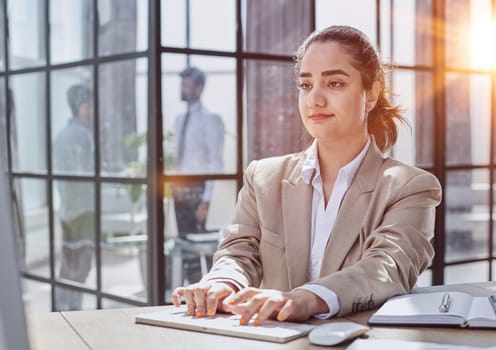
(333, 104)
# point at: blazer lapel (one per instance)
(349, 219)
(297, 212)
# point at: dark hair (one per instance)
(381, 119)
(194, 73)
(76, 96)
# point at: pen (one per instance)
(492, 301)
(445, 303)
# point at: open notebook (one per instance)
(439, 308)
(226, 324)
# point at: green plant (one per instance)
(135, 168)
(138, 168)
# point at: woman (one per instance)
(337, 228)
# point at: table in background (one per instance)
(115, 329)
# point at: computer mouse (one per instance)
(336, 332)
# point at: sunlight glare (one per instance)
(483, 45)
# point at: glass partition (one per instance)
(273, 123)
(122, 26)
(193, 232)
(36, 296)
(466, 273)
(123, 239)
(360, 14)
(28, 113)
(412, 36)
(199, 24)
(71, 30)
(470, 30)
(248, 92)
(74, 241)
(199, 101)
(2, 36)
(86, 301)
(414, 93)
(275, 27)
(468, 112)
(123, 96)
(72, 121)
(467, 214)
(27, 33)
(31, 223)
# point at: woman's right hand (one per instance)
(204, 298)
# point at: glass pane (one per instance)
(124, 236)
(31, 220)
(112, 304)
(36, 296)
(356, 13)
(7, 111)
(414, 93)
(470, 32)
(466, 273)
(29, 129)
(215, 31)
(386, 47)
(207, 142)
(494, 125)
(27, 33)
(467, 214)
(74, 238)
(72, 110)
(468, 113)
(71, 30)
(425, 279)
(273, 123)
(189, 26)
(122, 27)
(69, 300)
(193, 230)
(276, 27)
(3, 123)
(2, 36)
(123, 101)
(412, 32)
(174, 19)
(494, 227)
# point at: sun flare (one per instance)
(483, 45)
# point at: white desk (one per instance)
(115, 329)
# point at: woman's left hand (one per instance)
(297, 305)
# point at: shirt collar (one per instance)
(78, 121)
(311, 167)
(311, 163)
(195, 107)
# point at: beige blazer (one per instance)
(377, 248)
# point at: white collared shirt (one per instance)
(323, 218)
(203, 144)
